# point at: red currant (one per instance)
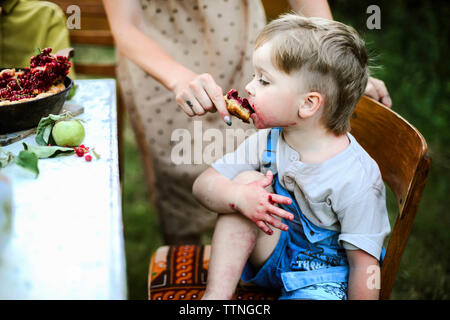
(79, 152)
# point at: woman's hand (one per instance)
(377, 90)
(198, 94)
(258, 205)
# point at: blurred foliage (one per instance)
(409, 55)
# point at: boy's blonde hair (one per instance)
(331, 58)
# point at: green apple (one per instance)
(68, 133)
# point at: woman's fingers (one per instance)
(371, 91)
(196, 107)
(377, 90)
(215, 93)
(202, 97)
(382, 92)
(186, 105)
(189, 100)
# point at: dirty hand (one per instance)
(258, 205)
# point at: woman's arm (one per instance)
(363, 268)
(124, 19)
(200, 90)
(314, 8)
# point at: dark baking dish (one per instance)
(24, 115)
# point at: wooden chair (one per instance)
(401, 153)
(95, 30)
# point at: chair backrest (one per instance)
(401, 153)
(94, 30)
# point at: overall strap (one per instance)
(269, 159)
(269, 156)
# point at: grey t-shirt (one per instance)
(345, 193)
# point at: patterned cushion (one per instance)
(179, 273)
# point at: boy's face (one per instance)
(273, 94)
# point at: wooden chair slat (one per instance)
(94, 37)
(96, 69)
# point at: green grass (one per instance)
(409, 50)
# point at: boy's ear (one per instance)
(310, 104)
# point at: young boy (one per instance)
(303, 174)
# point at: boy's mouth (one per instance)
(248, 106)
(243, 102)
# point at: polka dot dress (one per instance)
(215, 37)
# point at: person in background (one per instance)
(28, 25)
(176, 61)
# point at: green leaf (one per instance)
(28, 160)
(45, 126)
(43, 152)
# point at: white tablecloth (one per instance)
(67, 234)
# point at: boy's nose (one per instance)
(249, 88)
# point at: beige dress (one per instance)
(207, 36)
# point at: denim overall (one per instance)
(307, 262)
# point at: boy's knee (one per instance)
(248, 176)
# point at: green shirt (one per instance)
(29, 24)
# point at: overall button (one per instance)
(288, 180)
(293, 157)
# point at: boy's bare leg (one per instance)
(235, 240)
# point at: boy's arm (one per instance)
(215, 191)
(364, 276)
(252, 200)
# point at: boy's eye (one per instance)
(261, 80)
